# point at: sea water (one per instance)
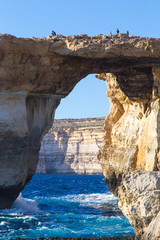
(64, 206)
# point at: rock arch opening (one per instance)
(87, 100)
(72, 144)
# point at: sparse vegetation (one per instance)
(78, 123)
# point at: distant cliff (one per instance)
(71, 147)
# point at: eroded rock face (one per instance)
(130, 155)
(152, 232)
(139, 195)
(36, 73)
(71, 147)
(23, 120)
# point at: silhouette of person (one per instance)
(117, 30)
(53, 33)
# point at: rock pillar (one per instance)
(130, 155)
(23, 119)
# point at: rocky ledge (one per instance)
(57, 238)
(71, 147)
(36, 73)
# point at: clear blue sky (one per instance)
(27, 18)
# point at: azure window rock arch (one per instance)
(36, 73)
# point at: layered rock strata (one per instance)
(36, 73)
(130, 156)
(71, 147)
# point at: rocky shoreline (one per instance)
(57, 238)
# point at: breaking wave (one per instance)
(25, 205)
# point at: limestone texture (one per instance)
(71, 147)
(130, 157)
(36, 73)
(152, 231)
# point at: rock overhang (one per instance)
(51, 63)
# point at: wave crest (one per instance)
(25, 205)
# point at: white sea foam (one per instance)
(94, 199)
(2, 223)
(24, 204)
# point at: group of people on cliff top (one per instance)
(117, 31)
(54, 33)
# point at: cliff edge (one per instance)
(36, 73)
(71, 147)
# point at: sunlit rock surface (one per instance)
(36, 73)
(71, 147)
(130, 155)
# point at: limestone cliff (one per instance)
(130, 156)
(71, 147)
(36, 73)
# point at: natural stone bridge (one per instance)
(36, 73)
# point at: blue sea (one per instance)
(64, 206)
